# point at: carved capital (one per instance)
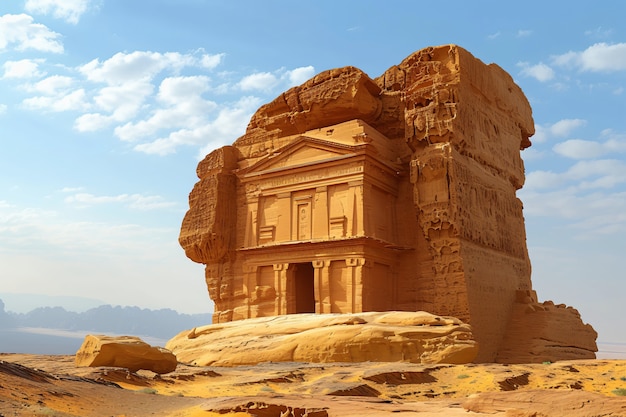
(356, 262)
(280, 267)
(321, 263)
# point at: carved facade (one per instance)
(348, 194)
(321, 229)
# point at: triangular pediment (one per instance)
(301, 152)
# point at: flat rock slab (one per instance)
(124, 352)
(416, 337)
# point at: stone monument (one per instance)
(349, 194)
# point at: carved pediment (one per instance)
(302, 152)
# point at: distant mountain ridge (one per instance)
(162, 323)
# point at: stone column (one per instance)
(280, 286)
(250, 282)
(356, 284)
(322, 286)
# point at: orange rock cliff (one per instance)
(350, 194)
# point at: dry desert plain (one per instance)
(44, 385)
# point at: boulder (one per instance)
(416, 337)
(124, 352)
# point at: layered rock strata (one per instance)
(416, 337)
(349, 194)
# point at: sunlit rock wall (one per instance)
(350, 194)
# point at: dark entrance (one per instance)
(304, 288)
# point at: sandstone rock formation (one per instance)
(124, 352)
(389, 337)
(349, 194)
(552, 327)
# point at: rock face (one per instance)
(416, 337)
(541, 332)
(124, 352)
(349, 194)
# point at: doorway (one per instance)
(304, 288)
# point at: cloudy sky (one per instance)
(106, 106)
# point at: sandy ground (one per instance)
(45, 385)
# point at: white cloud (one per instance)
(600, 57)
(68, 10)
(184, 107)
(39, 244)
(583, 175)
(299, 75)
(230, 123)
(211, 61)
(136, 66)
(142, 95)
(524, 33)
(532, 154)
(494, 35)
(21, 31)
(92, 122)
(537, 180)
(561, 128)
(128, 80)
(24, 68)
(261, 81)
(593, 214)
(57, 95)
(267, 81)
(541, 134)
(541, 72)
(123, 101)
(3, 108)
(565, 126)
(75, 100)
(588, 195)
(133, 201)
(52, 85)
(34, 228)
(588, 149)
(174, 90)
(579, 149)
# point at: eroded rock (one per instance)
(349, 194)
(127, 352)
(417, 337)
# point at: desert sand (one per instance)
(38, 385)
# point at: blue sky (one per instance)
(106, 106)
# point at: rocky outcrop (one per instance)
(127, 352)
(417, 337)
(350, 194)
(545, 332)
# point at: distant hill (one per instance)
(160, 324)
(6, 320)
(25, 302)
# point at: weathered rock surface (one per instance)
(52, 385)
(417, 337)
(349, 194)
(542, 332)
(124, 352)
